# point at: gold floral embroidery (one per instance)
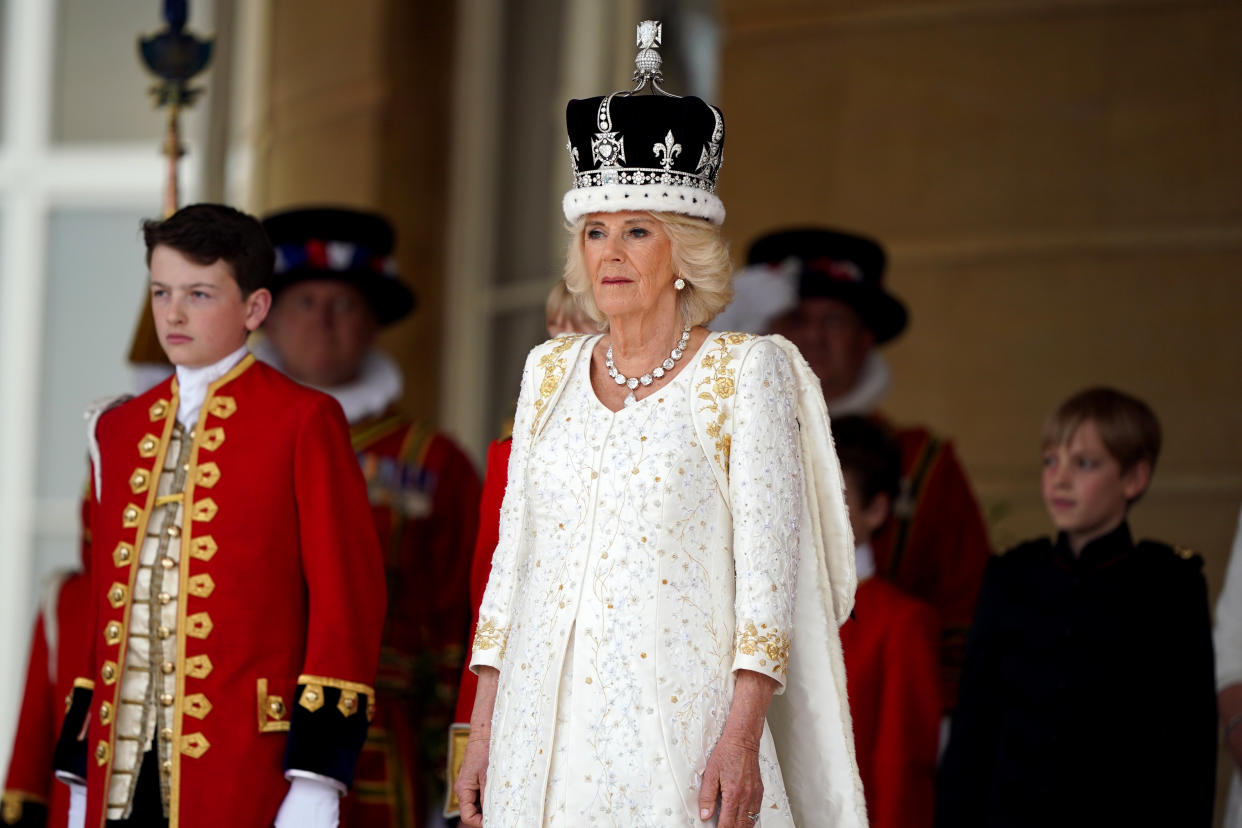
(717, 387)
(489, 635)
(771, 645)
(553, 365)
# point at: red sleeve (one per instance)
(30, 770)
(961, 550)
(346, 599)
(908, 725)
(341, 557)
(485, 543)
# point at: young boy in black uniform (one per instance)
(1087, 690)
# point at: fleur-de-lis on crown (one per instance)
(668, 150)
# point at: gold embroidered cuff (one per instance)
(490, 635)
(763, 649)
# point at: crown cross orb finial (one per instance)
(647, 61)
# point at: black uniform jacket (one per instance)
(1087, 695)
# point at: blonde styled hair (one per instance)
(561, 308)
(1127, 426)
(700, 257)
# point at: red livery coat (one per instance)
(892, 674)
(494, 481)
(424, 502)
(30, 787)
(31, 795)
(935, 546)
(281, 598)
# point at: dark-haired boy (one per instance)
(237, 584)
(891, 646)
(1088, 695)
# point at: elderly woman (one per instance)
(673, 549)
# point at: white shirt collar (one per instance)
(192, 386)
(864, 561)
(873, 384)
(379, 383)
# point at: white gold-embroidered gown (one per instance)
(625, 593)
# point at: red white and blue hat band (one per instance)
(332, 255)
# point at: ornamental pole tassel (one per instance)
(174, 56)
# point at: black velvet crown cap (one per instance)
(644, 152)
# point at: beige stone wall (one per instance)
(1059, 185)
(355, 113)
(1060, 189)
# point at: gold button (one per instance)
(122, 554)
(131, 514)
(310, 696)
(166, 734)
(164, 597)
(166, 699)
(147, 445)
(166, 768)
(116, 595)
(101, 752)
(185, 467)
(163, 632)
(349, 703)
(167, 667)
(107, 672)
(167, 563)
(276, 708)
(173, 531)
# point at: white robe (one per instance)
(628, 586)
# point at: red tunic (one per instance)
(489, 535)
(891, 670)
(424, 502)
(31, 795)
(49, 679)
(935, 546)
(281, 598)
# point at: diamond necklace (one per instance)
(652, 375)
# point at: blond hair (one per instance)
(562, 309)
(700, 257)
(1127, 426)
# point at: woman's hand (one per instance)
(472, 778)
(732, 771)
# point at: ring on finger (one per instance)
(753, 816)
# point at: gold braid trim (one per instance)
(719, 385)
(339, 684)
(768, 645)
(553, 365)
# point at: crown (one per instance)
(658, 151)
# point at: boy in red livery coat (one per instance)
(32, 799)
(236, 584)
(890, 647)
(336, 285)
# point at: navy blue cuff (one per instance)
(327, 730)
(69, 760)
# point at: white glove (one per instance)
(77, 806)
(310, 803)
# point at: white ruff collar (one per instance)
(379, 383)
(192, 386)
(864, 561)
(873, 384)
